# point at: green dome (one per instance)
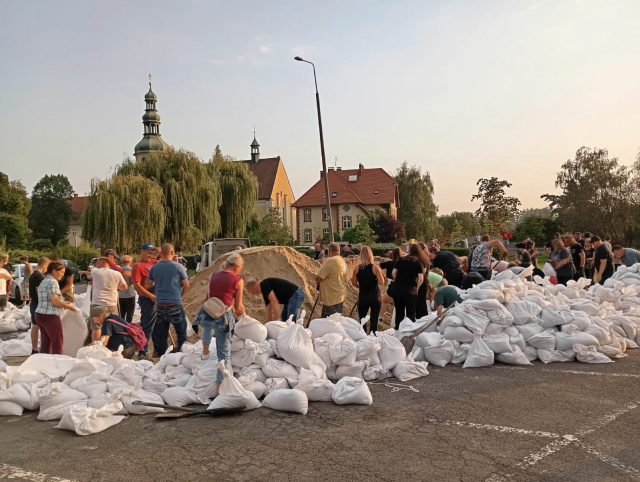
(150, 97)
(151, 116)
(150, 143)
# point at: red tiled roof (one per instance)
(78, 203)
(361, 191)
(266, 171)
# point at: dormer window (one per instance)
(375, 191)
(335, 194)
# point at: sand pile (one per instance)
(268, 262)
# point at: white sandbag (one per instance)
(566, 340)
(546, 356)
(287, 400)
(317, 389)
(55, 398)
(10, 409)
(589, 354)
(428, 339)
(249, 328)
(356, 369)
(602, 335)
(548, 270)
(15, 348)
(275, 368)
(27, 396)
(84, 420)
(254, 371)
(175, 371)
(7, 325)
(481, 294)
(92, 385)
(85, 367)
(353, 328)
(531, 353)
(275, 384)
(245, 356)
(150, 385)
(494, 329)
(322, 326)
(524, 312)
(136, 393)
(376, 372)
(518, 340)
(409, 369)
(498, 343)
(450, 320)
(582, 304)
(485, 304)
(254, 386)
(295, 346)
(74, 332)
(237, 343)
(460, 355)
(500, 316)
(181, 397)
(458, 333)
(474, 319)
(232, 394)
(367, 349)
(529, 330)
(351, 390)
(170, 358)
(391, 351)
(264, 351)
(204, 380)
(53, 366)
(274, 347)
(178, 382)
(543, 340)
(479, 354)
(96, 350)
(343, 352)
(321, 348)
(439, 353)
(275, 327)
(515, 357)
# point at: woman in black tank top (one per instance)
(368, 277)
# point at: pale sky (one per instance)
(463, 89)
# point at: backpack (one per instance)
(135, 332)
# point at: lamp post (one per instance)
(324, 161)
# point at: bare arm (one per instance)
(58, 302)
(318, 280)
(274, 304)
(496, 243)
(378, 272)
(185, 287)
(68, 286)
(601, 268)
(105, 340)
(354, 277)
(420, 279)
(238, 306)
(6, 276)
(394, 273)
(583, 259)
(142, 291)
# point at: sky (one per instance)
(463, 89)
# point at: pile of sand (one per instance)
(269, 262)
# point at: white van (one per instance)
(18, 275)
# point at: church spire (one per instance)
(151, 140)
(255, 149)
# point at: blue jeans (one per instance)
(293, 306)
(223, 329)
(167, 315)
(148, 321)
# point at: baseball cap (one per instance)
(147, 246)
(111, 251)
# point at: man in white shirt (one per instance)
(4, 277)
(105, 284)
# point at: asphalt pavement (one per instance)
(556, 422)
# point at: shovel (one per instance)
(184, 412)
(408, 341)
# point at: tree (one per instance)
(456, 232)
(598, 195)
(14, 211)
(50, 209)
(191, 195)
(387, 229)
(469, 225)
(360, 233)
(273, 229)
(417, 210)
(239, 190)
(125, 212)
(538, 224)
(496, 207)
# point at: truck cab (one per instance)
(210, 251)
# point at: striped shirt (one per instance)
(46, 290)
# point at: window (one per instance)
(284, 215)
(307, 235)
(346, 222)
(307, 215)
(325, 233)
(375, 192)
(335, 194)
(324, 214)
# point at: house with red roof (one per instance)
(78, 203)
(353, 193)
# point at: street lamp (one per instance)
(324, 161)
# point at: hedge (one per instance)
(378, 250)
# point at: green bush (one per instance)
(41, 245)
(308, 251)
(81, 256)
(458, 251)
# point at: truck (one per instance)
(210, 251)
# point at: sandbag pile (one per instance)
(514, 321)
(14, 319)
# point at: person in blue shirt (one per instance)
(171, 284)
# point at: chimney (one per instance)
(338, 169)
(360, 169)
(75, 195)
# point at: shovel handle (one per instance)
(159, 405)
(424, 328)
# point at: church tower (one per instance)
(255, 150)
(151, 140)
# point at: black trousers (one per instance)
(127, 308)
(421, 302)
(454, 279)
(370, 301)
(405, 303)
(562, 280)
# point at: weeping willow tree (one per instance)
(124, 212)
(191, 195)
(239, 189)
